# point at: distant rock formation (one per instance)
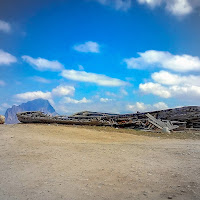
(35, 105)
(2, 119)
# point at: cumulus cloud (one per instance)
(186, 92)
(160, 106)
(166, 60)
(141, 107)
(123, 5)
(156, 89)
(33, 95)
(63, 90)
(175, 7)
(179, 7)
(169, 85)
(6, 58)
(5, 26)
(189, 92)
(43, 64)
(98, 79)
(167, 78)
(88, 47)
(2, 83)
(74, 101)
(60, 91)
(138, 106)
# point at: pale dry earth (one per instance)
(49, 162)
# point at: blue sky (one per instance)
(116, 56)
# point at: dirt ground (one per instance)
(50, 162)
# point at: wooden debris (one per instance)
(161, 124)
(172, 119)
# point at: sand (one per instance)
(50, 162)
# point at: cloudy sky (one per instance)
(117, 56)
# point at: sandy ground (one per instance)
(49, 162)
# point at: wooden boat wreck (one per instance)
(40, 117)
(177, 118)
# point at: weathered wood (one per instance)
(171, 118)
(161, 124)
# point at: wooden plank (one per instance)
(155, 124)
(159, 123)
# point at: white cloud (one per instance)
(182, 92)
(169, 85)
(167, 78)
(63, 90)
(105, 100)
(33, 95)
(156, 89)
(43, 64)
(166, 60)
(5, 26)
(74, 101)
(98, 79)
(123, 5)
(179, 7)
(141, 107)
(41, 79)
(88, 47)
(6, 58)
(175, 7)
(189, 92)
(160, 106)
(2, 83)
(138, 106)
(60, 91)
